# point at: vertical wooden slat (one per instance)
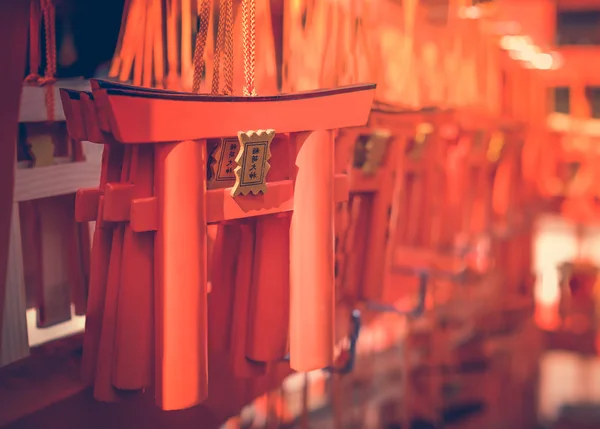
(54, 301)
(376, 262)
(241, 366)
(14, 15)
(223, 274)
(112, 158)
(132, 364)
(267, 335)
(15, 344)
(103, 387)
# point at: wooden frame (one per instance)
(31, 184)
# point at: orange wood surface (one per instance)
(324, 110)
(220, 299)
(142, 212)
(111, 159)
(180, 259)
(269, 315)
(312, 280)
(103, 387)
(132, 365)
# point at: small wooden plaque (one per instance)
(224, 163)
(42, 150)
(495, 147)
(422, 133)
(252, 162)
(376, 148)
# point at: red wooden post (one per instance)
(132, 366)
(312, 253)
(180, 275)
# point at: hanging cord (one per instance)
(224, 46)
(228, 89)
(34, 42)
(407, 49)
(49, 14)
(116, 61)
(374, 67)
(45, 9)
(173, 79)
(218, 47)
(199, 63)
(249, 44)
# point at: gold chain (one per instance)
(199, 63)
(249, 44)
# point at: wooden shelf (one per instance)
(31, 184)
(44, 391)
(33, 100)
(48, 375)
(60, 179)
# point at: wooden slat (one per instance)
(34, 183)
(33, 105)
(15, 344)
(14, 15)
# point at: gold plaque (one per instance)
(495, 146)
(223, 162)
(423, 132)
(42, 150)
(252, 162)
(376, 147)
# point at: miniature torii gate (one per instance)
(179, 209)
(157, 195)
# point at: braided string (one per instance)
(249, 45)
(50, 38)
(34, 42)
(228, 49)
(221, 34)
(199, 63)
(49, 13)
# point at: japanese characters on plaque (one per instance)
(252, 162)
(223, 162)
